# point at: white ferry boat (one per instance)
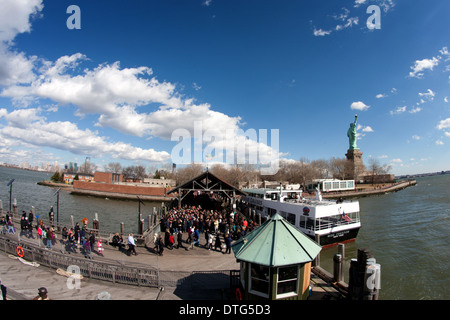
(327, 221)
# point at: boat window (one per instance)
(259, 280)
(291, 218)
(287, 282)
(306, 223)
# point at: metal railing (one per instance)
(116, 272)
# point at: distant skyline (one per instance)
(115, 80)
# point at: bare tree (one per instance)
(376, 168)
(139, 172)
(339, 168)
(114, 167)
(187, 173)
(88, 167)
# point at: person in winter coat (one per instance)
(50, 238)
(100, 247)
(210, 240)
(218, 243)
(228, 243)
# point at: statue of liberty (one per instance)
(351, 134)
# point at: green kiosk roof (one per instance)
(276, 243)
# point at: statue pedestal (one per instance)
(357, 167)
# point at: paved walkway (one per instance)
(23, 280)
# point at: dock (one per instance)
(197, 274)
(370, 190)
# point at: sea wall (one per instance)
(370, 192)
(117, 190)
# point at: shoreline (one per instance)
(103, 194)
(362, 192)
(371, 192)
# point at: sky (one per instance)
(133, 81)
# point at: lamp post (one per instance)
(10, 183)
(139, 214)
(57, 207)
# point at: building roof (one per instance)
(276, 243)
(206, 182)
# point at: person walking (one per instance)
(10, 225)
(92, 239)
(50, 237)
(210, 240)
(228, 243)
(180, 240)
(131, 245)
(218, 243)
(76, 233)
(100, 247)
(191, 240)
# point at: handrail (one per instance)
(107, 270)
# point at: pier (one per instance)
(197, 274)
(370, 190)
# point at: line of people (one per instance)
(219, 228)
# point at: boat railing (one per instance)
(335, 221)
(329, 222)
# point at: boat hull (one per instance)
(332, 239)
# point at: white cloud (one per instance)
(429, 95)
(381, 95)
(359, 105)
(196, 86)
(439, 142)
(359, 3)
(415, 110)
(15, 67)
(421, 65)
(446, 99)
(447, 134)
(28, 127)
(368, 129)
(397, 161)
(446, 54)
(15, 17)
(444, 124)
(416, 137)
(398, 110)
(321, 33)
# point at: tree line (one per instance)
(302, 171)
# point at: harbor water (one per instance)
(111, 213)
(406, 231)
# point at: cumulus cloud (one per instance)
(359, 105)
(321, 33)
(421, 65)
(15, 17)
(16, 67)
(29, 127)
(444, 124)
(398, 110)
(129, 100)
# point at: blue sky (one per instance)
(137, 71)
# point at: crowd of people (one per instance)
(187, 224)
(183, 227)
(72, 239)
